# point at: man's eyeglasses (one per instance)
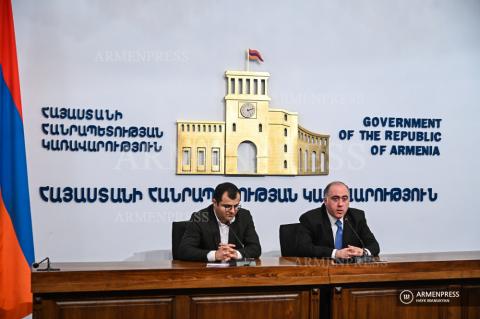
(229, 207)
(337, 199)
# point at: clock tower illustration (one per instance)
(254, 139)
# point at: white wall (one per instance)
(333, 62)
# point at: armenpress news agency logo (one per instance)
(406, 297)
(426, 296)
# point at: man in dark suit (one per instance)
(221, 232)
(324, 231)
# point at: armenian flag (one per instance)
(254, 55)
(16, 238)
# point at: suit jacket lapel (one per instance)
(235, 228)
(213, 228)
(327, 226)
(347, 231)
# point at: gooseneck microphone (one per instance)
(347, 221)
(245, 261)
(359, 259)
(48, 268)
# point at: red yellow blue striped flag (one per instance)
(16, 238)
(254, 55)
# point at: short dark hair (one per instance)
(230, 188)
(327, 188)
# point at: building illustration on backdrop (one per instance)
(254, 139)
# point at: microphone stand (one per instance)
(364, 259)
(244, 262)
(48, 268)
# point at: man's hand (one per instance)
(355, 251)
(350, 251)
(225, 252)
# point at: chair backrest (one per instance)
(288, 239)
(178, 229)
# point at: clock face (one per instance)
(247, 110)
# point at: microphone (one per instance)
(244, 261)
(36, 265)
(358, 259)
(347, 221)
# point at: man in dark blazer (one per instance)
(221, 232)
(329, 231)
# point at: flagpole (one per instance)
(246, 61)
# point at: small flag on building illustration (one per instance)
(254, 55)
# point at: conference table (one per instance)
(443, 285)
